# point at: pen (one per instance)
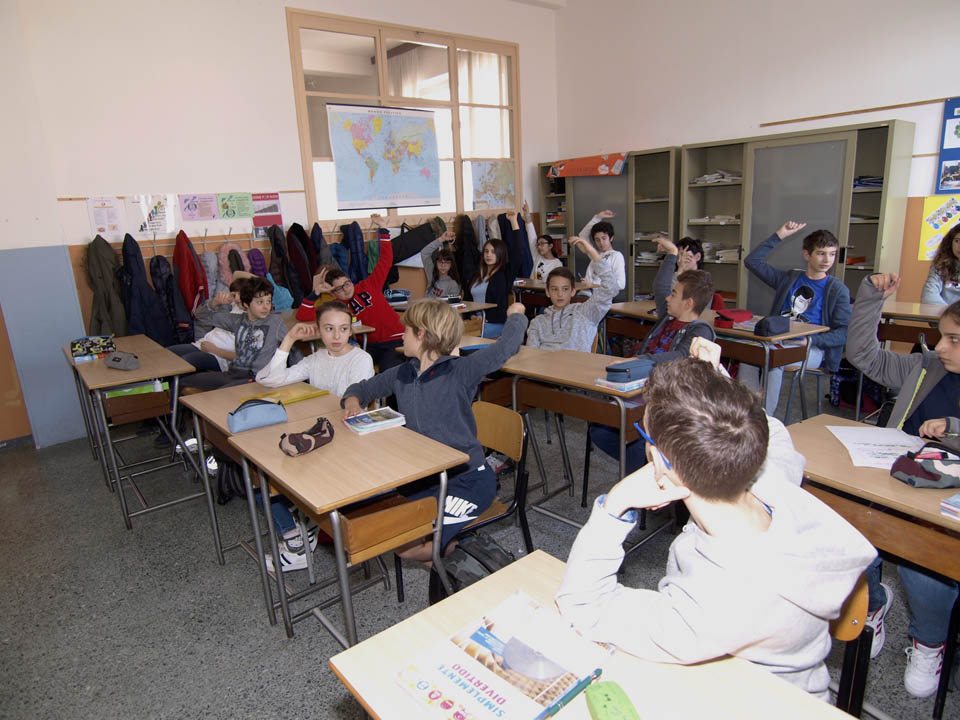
(569, 695)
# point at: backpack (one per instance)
(476, 556)
(167, 288)
(229, 479)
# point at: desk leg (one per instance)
(438, 534)
(530, 433)
(258, 542)
(623, 436)
(98, 433)
(85, 411)
(803, 396)
(346, 599)
(106, 442)
(275, 552)
(205, 477)
(766, 369)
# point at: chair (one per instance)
(499, 429)
(851, 627)
(795, 382)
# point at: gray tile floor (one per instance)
(100, 622)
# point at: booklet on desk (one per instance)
(621, 386)
(373, 420)
(290, 394)
(519, 661)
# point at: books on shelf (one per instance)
(519, 661)
(621, 386)
(374, 420)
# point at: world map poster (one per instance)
(384, 157)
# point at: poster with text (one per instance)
(152, 213)
(198, 207)
(940, 213)
(106, 217)
(948, 167)
(592, 165)
(235, 205)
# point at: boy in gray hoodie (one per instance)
(573, 326)
(760, 569)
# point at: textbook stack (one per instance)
(628, 386)
(374, 420)
(950, 507)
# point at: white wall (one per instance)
(133, 96)
(640, 74)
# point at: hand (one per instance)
(449, 237)
(221, 298)
(512, 217)
(703, 349)
(516, 309)
(666, 245)
(208, 347)
(584, 246)
(525, 209)
(351, 407)
(789, 228)
(686, 261)
(934, 428)
(887, 283)
(320, 284)
(378, 220)
(643, 489)
(606, 214)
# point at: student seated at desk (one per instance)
(257, 333)
(929, 386)
(758, 571)
(679, 311)
(566, 326)
(599, 232)
(335, 367)
(494, 278)
(943, 282)
(435, 392)
(443, 278)
(827, 302)
(541, 249)
(217, 348)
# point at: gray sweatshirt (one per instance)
(767, 602)
(443, 287)
(575, 326)
(937, 292)
(255, 341)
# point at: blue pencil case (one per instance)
(255, 413)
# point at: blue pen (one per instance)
(649, 439)
(569, 695)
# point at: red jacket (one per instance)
(191, 278)
(368, 304)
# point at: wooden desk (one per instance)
(210, 411)
(465, 307)
(722, 689)
(894, 310)
(351, 468)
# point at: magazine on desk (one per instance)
(516, 662)
(373, 420)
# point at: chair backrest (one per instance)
(853, 615)
(596, 342)
(499, 428)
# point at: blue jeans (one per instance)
(929, 598)
(283, 521)
(607, 439)
(492, 330)
(750, 376)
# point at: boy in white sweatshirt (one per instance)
(760, 569)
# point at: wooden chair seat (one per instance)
(851, 627)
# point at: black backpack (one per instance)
(229, 480)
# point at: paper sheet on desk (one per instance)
(875, 447)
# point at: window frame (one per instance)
(298, 20)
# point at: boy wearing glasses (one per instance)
(758, 571)
(367, 303)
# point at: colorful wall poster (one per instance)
(494, 184)
(235, 205)
(198, 207)
(948, 168)
(384, 157)
(266, 210)
(609, 164)
(940, 213)
(106, 217)
(152, 212)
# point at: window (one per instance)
(468, 83)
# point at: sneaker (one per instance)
(212, 465)
(191, 444)
(923, 669)
(875, 621)
(289, 561)
(496, 462)
(295, 543)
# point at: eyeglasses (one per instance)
(649, 439)
(341, 287)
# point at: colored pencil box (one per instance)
(633, 369)
(932, 466)
(255, 413)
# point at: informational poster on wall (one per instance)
(592, 165)
(152, 213)
(235, 205)
(940, 213)
(948, 169)
(198, 207)
(266, 212)
(106, 217)
(494, 184)
(384, 157)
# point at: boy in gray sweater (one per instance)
(573, 326)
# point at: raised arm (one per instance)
(474, 367)
(598, 303)
(756, 261)
(602, 215)
(663, 282)
(276, 373)
(216, 312)
(863, 349)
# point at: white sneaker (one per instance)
(923, 669)
(289, 561)
(875, 621)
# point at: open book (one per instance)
(517, 661)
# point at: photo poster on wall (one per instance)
(494, 184)
(107, 218)
(940, 214)
(948, 168)
(384, 157)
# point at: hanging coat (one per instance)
(353, 240)
(258, 264)
(107, 314)
(298, 259)
(466, 254)
(211, 267)
(280, 267)
(191, 279)
(324, 257)
(226, 267)
(146, 314)
(309, 250)
(165, 283)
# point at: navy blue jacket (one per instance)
(146, 314)
(836, 303)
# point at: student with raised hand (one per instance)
(821, 298)
(335, 367)
(758, 571)
(573, 326)
(928, 386)
(600, 232)
(943, 282)
(443, 278)
(541, 249)
(435, 392)
(687, 254)
(494, 278)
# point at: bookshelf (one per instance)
(556, 211)
(653, 181)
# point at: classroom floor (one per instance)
(100, 622)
